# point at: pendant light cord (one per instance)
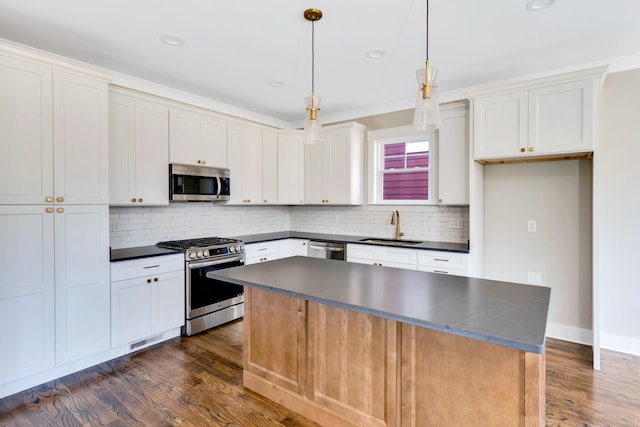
(427, 37)
(313, 58)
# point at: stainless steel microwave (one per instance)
(190, 183)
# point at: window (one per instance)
(402, 168)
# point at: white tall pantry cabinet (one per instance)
(54, 218)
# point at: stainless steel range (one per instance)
(209, 302)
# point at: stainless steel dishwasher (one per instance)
(327, 250)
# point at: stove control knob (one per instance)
(232, 248)
(199, 254)
(240, 248)
(192, 255)
(206, 253)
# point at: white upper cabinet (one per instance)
(453, 155)
(26, 134)
(333, 167)
(253, 164)
(290, 168)
(197, 138)
(551, 117)
(80, 136)
(138, 151)
(53, 135)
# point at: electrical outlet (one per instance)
(531, 226)
(455, 223)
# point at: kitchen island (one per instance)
(351, 344)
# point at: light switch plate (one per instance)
(455, 223)
(531, 226)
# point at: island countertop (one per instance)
(508, 314)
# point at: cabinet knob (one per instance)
(264, 201)
(199, 161)
(140, 200)
(60, 210)
(49, 199)
(439, 200)
(522, 150)
(155, 279)
(531, 148)
(60, 199)
(133, 200)
(49, 210)
(148, 280)
(204, 162)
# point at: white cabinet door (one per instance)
(213, 141)
(130, 311)
(270, 168)
(245, 160)
(26, 136)
(500, 125)
(168, 303)
(184, 137)
(27, 295)
(299, 247)
(152, 153)
(80, 135)
(138, 152)
(561, 118)
(333, 168)
(290, 168)
(122, 150)
(82, 281)
(453, 155)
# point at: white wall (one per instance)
(617, 178)
(557, 195)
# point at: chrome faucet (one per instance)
(395, 220)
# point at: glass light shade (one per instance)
(312, 125)
(426, 115)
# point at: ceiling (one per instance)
(233, 49)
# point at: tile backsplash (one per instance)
(140, 226)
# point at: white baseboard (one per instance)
(620, 343)
(569, 333)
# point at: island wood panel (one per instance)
(352, 364)
(275, 338)
(452, 380)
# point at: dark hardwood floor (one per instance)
(197, 381)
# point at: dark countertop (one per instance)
(140, 252)
(508, 314)
(264, 237)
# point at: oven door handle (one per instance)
(194, 265)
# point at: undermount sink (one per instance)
(390, 242)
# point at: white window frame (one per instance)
(376, 141)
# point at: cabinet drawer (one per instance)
(443, 262)
(382, 255)
(122, 270)
(260, 250)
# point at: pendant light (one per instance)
(426, 115)
(312, 126)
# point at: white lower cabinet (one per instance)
(292, 247)
(54, 303)
(444, 262)
(147, 298)
(261, 252)
(383, 256)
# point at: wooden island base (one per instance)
(339, 367)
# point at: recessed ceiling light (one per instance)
(276, 83)
(538, 5)
(375, 54)
(172, 40)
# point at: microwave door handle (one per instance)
(219, 187)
